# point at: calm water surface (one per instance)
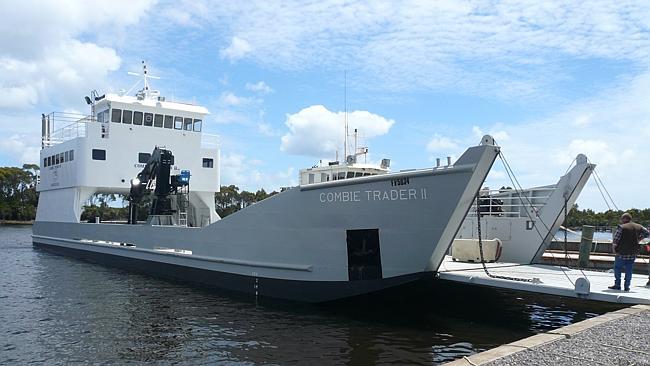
(58, 310)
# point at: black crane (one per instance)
(156, 176)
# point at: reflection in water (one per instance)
(60, 310)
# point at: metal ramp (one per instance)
(553, 280)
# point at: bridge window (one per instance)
(169, 122)
(197, 125)
(116, 115)
(341, 175)
(208, 163)
(350, 175)
(49, 161)
(158, 120)
(99, 154)
(178, 123)
(148, 119)
(187, 124)
(127, 116)
(66, 157)
(144, 158)
(137, 118)
(45, 162)
(71, 155)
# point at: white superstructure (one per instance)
(102, 152)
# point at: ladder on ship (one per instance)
(183, 205)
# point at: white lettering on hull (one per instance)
(374, 195)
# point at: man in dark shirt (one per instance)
(626, 247)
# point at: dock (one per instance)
(547, 279)
(601, 261)
(616, 338)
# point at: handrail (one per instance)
(75, 126)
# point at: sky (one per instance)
(419, 80)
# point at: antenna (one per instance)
(145, 76)
(345, 108)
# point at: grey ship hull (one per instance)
(302, 244)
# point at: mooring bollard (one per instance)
(585, 245)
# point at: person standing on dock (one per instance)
(626, 246)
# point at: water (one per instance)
(58, 310)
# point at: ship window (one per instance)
(158, 120)
(178, 123)
(197, 125)
(56, 159)
(341, 175)
(311, 178)
(187, 124)
(116, 115)
(366, 174)
(148, 119)
(364, 256)
(350, 175)
(49, 161)
(71, 155)
(169, 122)
(99, 154)
(144, 158)
(102, 116)
(66, 157)
(358, 174)
(208, 163)
(137, 118)
(45, 162)
(127, 116)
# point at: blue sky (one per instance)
(424, 80)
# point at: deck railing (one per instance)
(64, 126)
(511, 203)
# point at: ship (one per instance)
(313, 242)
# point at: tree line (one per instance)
(18, 196)
(576, 217)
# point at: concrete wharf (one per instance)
(620, 337)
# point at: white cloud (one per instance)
(42, 58)
(266, 129)
(582, 120)
(596, 150)
(505, 48)
(615, 138)
(237, 49)
(316, 131)
(441, 143)
(22, 148)
(259, 87)
(239, 170)
(230, 99)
